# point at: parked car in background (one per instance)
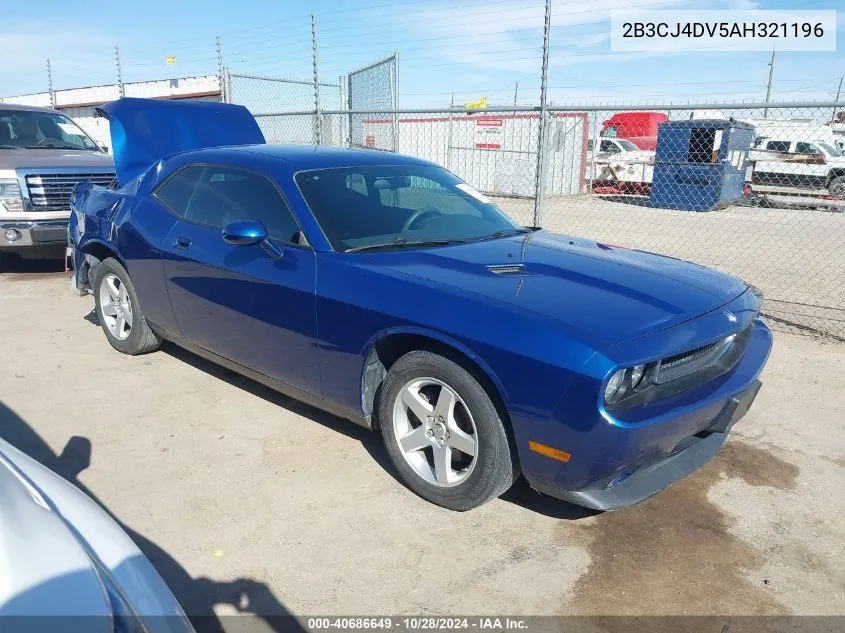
(386, 290)
(43, 155)
(806, 163)
(618, 162)
(67, 565)
(638, 127)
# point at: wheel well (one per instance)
(95, 252)
(834, 174)
(391, 348)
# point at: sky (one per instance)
(471, 48)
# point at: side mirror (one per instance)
(244, 232)
(105, 148)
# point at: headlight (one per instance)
(626, 380)
(637, 375)
(10, 196)
(615, 387)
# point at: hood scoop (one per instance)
(507, 269)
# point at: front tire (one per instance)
(119, 311)
(443, 432)
(836, 188)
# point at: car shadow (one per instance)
(638, 201)
(23, 268)
(198, 596)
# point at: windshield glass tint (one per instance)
(365, 206)
(22, 128)
(627, 145)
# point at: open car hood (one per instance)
(145, 130)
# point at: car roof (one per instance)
(319, 157)
(25, 108)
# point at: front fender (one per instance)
(444, 339)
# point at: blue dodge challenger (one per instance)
(386, 290)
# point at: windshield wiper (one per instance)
(508, 233)
(57, 146)
(402, 242)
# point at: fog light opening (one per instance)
(12, 235)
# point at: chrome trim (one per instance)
(25, 174)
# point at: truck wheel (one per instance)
(119, 311)
(443, 433)
(837, 187)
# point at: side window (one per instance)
(806, 148)
(226, 194)
(609, 147)
(176, 192)
(778, 146)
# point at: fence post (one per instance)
(50, 84)
(540, 185)
(318, 125)
(341, 105)
(220, 78)
(120, 90)
(226, 87)
(395, 88)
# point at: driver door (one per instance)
(251, 304)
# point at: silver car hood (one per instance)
(44, 570)
(36, 158)
(58, 550)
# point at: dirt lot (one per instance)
(795, 256)
(233, 490)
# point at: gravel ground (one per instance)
(796, 256)
(245, 500)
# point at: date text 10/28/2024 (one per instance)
(418, 623)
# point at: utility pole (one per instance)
(516, 93)
(120, 89)
(220, 79)
(769, 85)
(317, 123)
(50, 84)
(540, 180)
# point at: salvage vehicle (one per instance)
(43, 155)
(618, 162)
(807, 163)
(386, 290)
(66, 561)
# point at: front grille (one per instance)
(680, 365)
(51, 192)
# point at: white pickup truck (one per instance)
(806, 164)
(43, 156)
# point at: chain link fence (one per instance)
(286, 108)
(374, 88)
(754, 191)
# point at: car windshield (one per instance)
(38, 129)
(399, 206)
(831, 150)
(627, 145)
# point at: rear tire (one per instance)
(836, 188)
(443, 432)
(119, 310)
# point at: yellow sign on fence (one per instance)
(171, 60)
(481, 104)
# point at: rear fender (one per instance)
(95, 214)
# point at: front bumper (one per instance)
(33, 234)
(650, 479)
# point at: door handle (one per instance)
(182, 243)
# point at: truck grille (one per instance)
(51, 192)
(680, 365)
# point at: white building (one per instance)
(79, 103)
